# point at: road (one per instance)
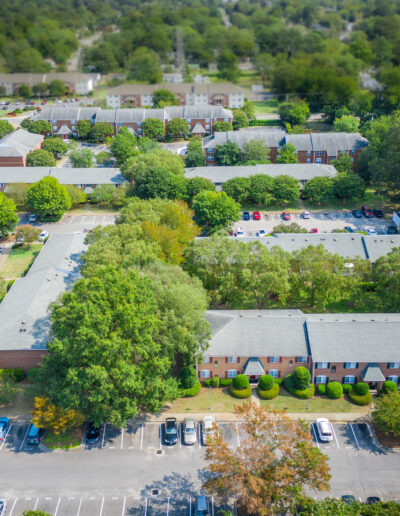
(71, 223)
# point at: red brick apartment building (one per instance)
(15, 147)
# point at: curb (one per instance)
(377, 443)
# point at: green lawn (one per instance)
(18, 260)
(71, 439)
(318, 126)
(267, 106)
(221, 401)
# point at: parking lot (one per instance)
(325, 222)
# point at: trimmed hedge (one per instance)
(302, 394)
(278, 381)
(241, 381)
(269, 394)
(301, 378)
(361, 388)
(321, 389)
(334, 390)
(365, 399)
(188, 377)
(215, 381)
(389, 386)
(347, 387)
(207, 383)
(240, 393)
(193, 391)
(225, 382)
(266, 382)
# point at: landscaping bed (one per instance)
(221, 401)
(18, 260)
(67, 441)
(388, 441)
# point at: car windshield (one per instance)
(171, 430)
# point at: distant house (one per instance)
(319, 148)
(15, 147)
(175, 77)
(301, 172)
(79, 83)
(189, 94)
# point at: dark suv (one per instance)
(171, 430)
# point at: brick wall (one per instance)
(12, 161)
(21, 359)
(341, 371)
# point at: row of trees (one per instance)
(55, 88)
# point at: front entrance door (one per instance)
(253, 379)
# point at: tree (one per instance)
(46, 414)
(76, 195)
(163, 97)
(196, 185)
(249, 108)
(40, 158)
(48, 198)
(289, 228)
(286, 189)
(40, 90)
(123, 146)
(348, 185)
(57, 88)
(222, 127)
(55, 145)
(17, 192)
(215, 210)
(156, 159)
(100, 131)
(239, 119)
(238, 188)
(153, 128)
(159, 182)
(386, 274)
(83, 127)
(108, 359)
(82, 158)
(227, 154)
(5, 128)
(318, 188)
(346, 124)
(294, 113)
(287, 154)
(103, 157)
(261, 188)
(227, 66)
(301, 378)
(24, 91)
(8, 389)
(27, 233)
(144, 66)
(271, 468)
(264, 64)
(343, 163)
(188, 377)
(255, 151)
(39, 127)
(177, 127)
(35, 513)
(103, 194)
(386, 412)
(195, 155)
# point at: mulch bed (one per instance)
(388, 441)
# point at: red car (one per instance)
(314, 230)
(256, 215)
(11, 114)
(286, 215)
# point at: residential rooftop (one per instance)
(271, 138)
(177, 88)
(66, 176)
(19, 143)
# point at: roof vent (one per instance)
(335, 239)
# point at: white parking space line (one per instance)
(212, 506)
(168, 506)
(72, 219)
(334, 435)
(79, 507)
(145, 509)
(190, 506)
(23, 442)
(354, 434)
(104, 434)
(122, 437)
(102, 505)
(12, 508)
(160, 436)
(237, 434)
(315, 434)
(58, 505)
(36, 504)
(180, 434)
(123, 506)
(141, 438)
(83, 218)
(5, 437)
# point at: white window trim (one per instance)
(391, 378)
(321, 365)
(274, 360)
(301, 360)
(205, 373)
(321, 379)
(348, 377)
(274, 373)
(394, 365)
(232, 373)
(232, 360)
(207, 360)
(350, 365)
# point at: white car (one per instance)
(324, 428)
(32, 218)
(239, 232)
(261, 233)
(371, 231)
(306, 215)
(207, 427)
(189, 431)
(43, 235)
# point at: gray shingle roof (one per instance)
(66, 176)
(331, 142)
(300, 171)
(25, 306)
(19, 143)
(270, 138)
(189, 112)
(183, 88)
(372, 373)
(36, 78)
(379, 245)
(253, 366)
(198, 129)
(64, 129)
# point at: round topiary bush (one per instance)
(361, 389)
(347, 387)
(266, 382)
(188, 377)
(193, 391)
(241, 381)
(215, 381)
(334, 390)
(365, 399)
(321, 389)
(269, 394)
(240, 393)
(299, 393)
(389, 386)
(301, 378)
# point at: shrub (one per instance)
(16, 374)
(192, 391)
(215, 381)
(278, 381)
(389, 386)
(365, 399)
(241, 381)
(301, 378)
(347, 387)
(225, 382)
(207, 383)
(362, 389)
(269, 394)
(240, 393)
(10, 284)
(334, 390)
(321, 389)
(188, 377)
(266, 382)
(299, 393)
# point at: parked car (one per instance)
(43, 235)
(4, 426)
(11, 114)
(261, 233)
(246, 215)
(306, 215)
(202, 506)
(189, 430)
(256, 215)
(391, 230)
(286, 215)
(3, 507)
(314, 230)
(32, 218)
(239, 232)
(171, 431)
(349, 229)
(371, 500)
(348, 499)
(324, 429)
(371, 231)
(207, 427)
(34, 435)
(378, 213)
(92, 433)
(357, 214)
(367, 212)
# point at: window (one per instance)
(206, 360)
(274, 360)
(210, 158)
(321, 379)
(393, 378)
(73, 128)
(318, 160)
(232, 373)
(139, 124)
(274, 373)
(318, 153)
(232, 360)
(352, 151)
(73, 121)
(188, 120)
(333, 369)
(54, 121)
(120, 124)
(207, 120)
(308, 153)
(207, 126)
(308, 160)
(393, 365)
(210, 150)
(215, 362)
(55, 128)
(226, 119)
(301, 360)
(321, 365)
(350, 365)
(349, 379)
(204, 373)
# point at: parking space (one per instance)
(88, 220)
(348, 437)
(231, 433)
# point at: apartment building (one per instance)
(79, 83)
(15, 147)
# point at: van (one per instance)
(202, 507)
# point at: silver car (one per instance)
(207, 427)
(189, 431)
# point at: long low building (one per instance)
(84, 178)
(15, 147)
(80, 83)
(303, 172)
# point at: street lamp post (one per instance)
(309, 393)
(210, 399)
